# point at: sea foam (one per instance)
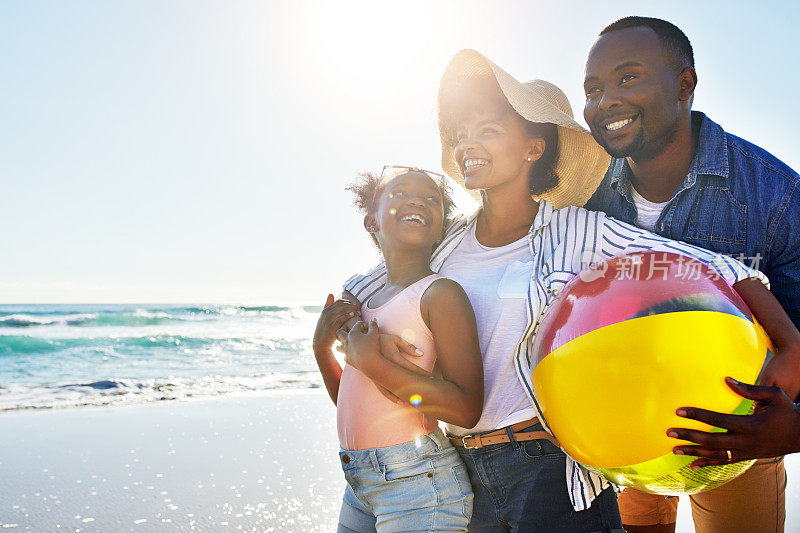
(77, 355)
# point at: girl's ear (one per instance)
(535, 149)
(370, 224)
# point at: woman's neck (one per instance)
(506, 216)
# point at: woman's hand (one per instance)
(773, 430)
(334, 315)
(391, 350)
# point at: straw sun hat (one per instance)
(581, 162)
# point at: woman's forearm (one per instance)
(769, 314)
(435, 396)
(784, 370)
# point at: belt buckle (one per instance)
(464, 442)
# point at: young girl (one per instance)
(402, 472)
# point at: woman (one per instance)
(517, 147)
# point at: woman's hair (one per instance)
(458, 98)
(368, 187)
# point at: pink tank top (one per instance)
(364, 417)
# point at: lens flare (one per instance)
(415, 400)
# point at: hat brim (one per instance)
(581, 162)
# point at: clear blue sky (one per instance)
(196, 151)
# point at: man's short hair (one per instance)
(671, 37)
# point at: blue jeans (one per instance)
(420, 485)
(522, 486)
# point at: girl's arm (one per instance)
(456, 396)
(333, 316)
(392, 347)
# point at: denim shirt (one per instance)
(736, 199)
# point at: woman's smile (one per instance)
(472, 164)
(492, 147)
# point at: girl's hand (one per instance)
(361, 345)
(392, 348)
(334, 315)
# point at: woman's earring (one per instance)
(529, 159)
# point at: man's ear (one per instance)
(370, 224)
(687, 82)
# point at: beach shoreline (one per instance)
(252, 462)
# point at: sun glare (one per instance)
(368, 58)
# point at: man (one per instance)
(774, 429)
(680, 175)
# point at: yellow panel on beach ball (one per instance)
(621, 349)
(643, 392)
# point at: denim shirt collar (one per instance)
(711, 159)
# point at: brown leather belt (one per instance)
(499, 436)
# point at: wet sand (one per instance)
(250, 463)
(263, 463)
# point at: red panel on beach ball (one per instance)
(642, 335)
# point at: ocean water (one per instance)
(77, 355)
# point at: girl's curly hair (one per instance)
(368, 187)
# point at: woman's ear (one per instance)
(535, 149)
(370, 224)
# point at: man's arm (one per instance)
(773, 430)
(782, 263)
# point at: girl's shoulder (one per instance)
(446, 302)
(442, 285)
(441, 295)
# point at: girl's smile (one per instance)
(410, 211)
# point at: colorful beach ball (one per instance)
(624, 345)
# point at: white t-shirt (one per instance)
(647, 212)
(496, 281)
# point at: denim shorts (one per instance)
(522, 486)
(420, 485)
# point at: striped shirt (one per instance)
(562, 243)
